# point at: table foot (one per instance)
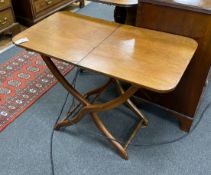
(105, 131)
(61, 124)
(139, 124)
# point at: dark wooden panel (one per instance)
(184, 99)
(29, 12)
(40, 5)
(6, 18)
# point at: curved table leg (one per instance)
(98, 107)
(94, 108)
(54, 70)
(97, 92)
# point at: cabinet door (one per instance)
(40, 5)
(6, 18)
(4, 4)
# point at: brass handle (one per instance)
(4, 21)
(48, 1)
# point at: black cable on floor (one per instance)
(59, 116)
(52, 134)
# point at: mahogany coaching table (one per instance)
(144, 58)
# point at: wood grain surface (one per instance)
(150, 59)
(66, 36)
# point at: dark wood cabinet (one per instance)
(190, 19)
(29, 12)
(7, 19)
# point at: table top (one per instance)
(203, 6)
(147, 58)
(121, 3)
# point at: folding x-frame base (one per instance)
(93, 109)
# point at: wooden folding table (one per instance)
(144, 58)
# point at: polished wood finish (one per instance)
(150, 59)
(191, 19)
(29, 12)
(155, 60)
(141, 57)
(7, 20)
(87, 39)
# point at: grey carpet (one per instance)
(24, 144)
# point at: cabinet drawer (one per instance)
(4, 4)
(40, 5)
(6, 18)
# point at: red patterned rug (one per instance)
(24, 78)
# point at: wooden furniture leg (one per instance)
(131, 105)
(120, 14)
(125, 15)
(62, 80)
(98, 107)
(82, 3)
(95, 92)
(105, 131)
(93, 109)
